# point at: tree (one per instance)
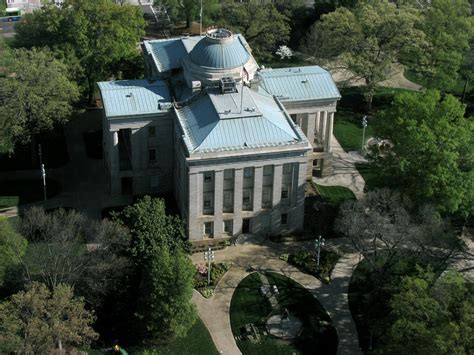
(38, 320)
(449, 27)
(12, 247)
(432, 315)
(35, 94)
(432, 157)
(151, 228)
(100, 32)
(262, 25)
(189, 10)
(367, 40)
(58, 252)
(166, 294)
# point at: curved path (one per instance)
(215, 312)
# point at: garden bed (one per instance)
(306, 262)
(218, 271)
(21, 191)
(250, 306)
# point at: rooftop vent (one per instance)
(219, 33)
(227, 85)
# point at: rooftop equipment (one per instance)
(227, 85)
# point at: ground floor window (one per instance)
(284, 219)
(228, 227)
(209, 229)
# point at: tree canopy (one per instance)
(262, 25)
(189, 10)
(432, 315)
(367, 40)
(100, 33)
(39, 320)
(432, 157)
(449, 28)
(36, 92)
(151, 228)
(12, 247)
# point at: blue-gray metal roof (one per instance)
(133, 97)
(167, 53)
(217, 122)
(221, 55)
(296, 84)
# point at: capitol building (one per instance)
(233, 142)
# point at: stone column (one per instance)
(218, 202)
(194, 206)
(316, 125)
(329, 133)
(324, 119)
(276, 198)
(135, 143)
(115, 185)
(297, 215)
(257, 199)
(238, 184)
(311, 127)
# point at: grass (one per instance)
(249, 306)
(348, 130)
(335, 195)
(198, 341)
(19, 192)
(373, 179)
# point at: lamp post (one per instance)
(364, 126)
(318, 244)
(43, 171)
(209, 256)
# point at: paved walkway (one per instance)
(215, 312)
(344, 171)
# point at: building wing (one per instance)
(298, 84)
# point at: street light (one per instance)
(364, 126)
(318, 244)
(43, 171)
(209, 256)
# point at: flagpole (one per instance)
(200, 21)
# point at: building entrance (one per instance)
(246, 225)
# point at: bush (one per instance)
(306, 261)
(207, 292)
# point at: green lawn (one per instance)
(18, 192)
(373, 179)
(348, 130)
(198, 341)
(335, 195)
(249, 306)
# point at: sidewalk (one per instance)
(215, 312)
(344, 171)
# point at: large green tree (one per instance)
(449, 28)
(432, 157)
(167, 290)
(262, 25)
(367, 40)
(152, 228)
(36, 92)
(40, 320)
(432, 315)
(12, 247)
(190, 10)
(99, 32)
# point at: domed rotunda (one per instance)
(220, 54)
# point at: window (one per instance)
(294, 116)
(151, 131)
(247, 197)
(228, 174)
(268, 170)
(248, 172)
(208, 175)
(208, 229)
(267, 197)
(228, 200)
(287, 168)
(153, 181)
(207, 201)
(152, 155)
(228, 227)
(284, 219)
(285, 191)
